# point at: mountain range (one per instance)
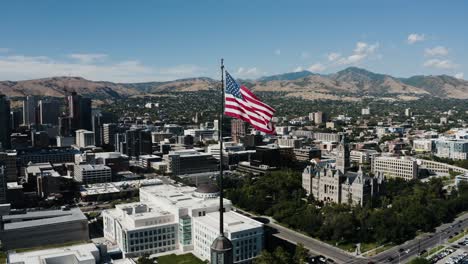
(349, 84)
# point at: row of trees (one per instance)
(402, 210)
(281, 256)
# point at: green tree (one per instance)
(301, 254)
(265, 257)
(419, 261)
(145, 260)
(279, 256)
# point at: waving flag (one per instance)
(241, 103)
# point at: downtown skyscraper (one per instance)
(5, 123)
(77, 115)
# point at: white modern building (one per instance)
(396, 167)
(96, 173)
(178, 219)
(245, 234)
(84, 138)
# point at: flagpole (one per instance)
(222, 248)
(220, 131)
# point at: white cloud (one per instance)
(4, 50)
(87, 57)
(333, 56)
(247, 72)
(317, 67)
(362, 51)
(459, 75)
(414, 37)
(436, 51)
(298, 69)
(19, 67)
(278, 52)
(440, 64)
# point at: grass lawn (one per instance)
(349, 247)
(378, 250)
(433, 251)
(51, 246)
(455, 238)
(368, 246)
(179, 259)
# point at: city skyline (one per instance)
(161, 41)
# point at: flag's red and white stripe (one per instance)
(251, 110)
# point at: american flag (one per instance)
(241, 103)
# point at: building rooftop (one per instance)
(83, 253)
(233, 222)
(139, 215)
(91, 167)
(149, 157)
(14, 185)
(42, 218)
(115, 187)
(37, 168)
(180, 196)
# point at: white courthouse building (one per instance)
(180, 219)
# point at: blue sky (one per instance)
(131, 41)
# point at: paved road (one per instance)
(425, 242)
(315, 246)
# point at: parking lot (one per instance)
(456, 253)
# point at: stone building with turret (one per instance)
(339, 185)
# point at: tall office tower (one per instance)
(79, 112)
(97, 127)
(5, 123)
(29, 110)
(9, 161)
(48, 112)
(16, 119)
(342, 158)
(119, 143)
(65, 127)
(238, 129)
(3, 185)
(319, 117)
(138, 142)
(108, 134)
